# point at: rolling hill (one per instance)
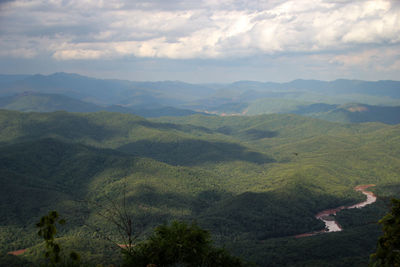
(254, 182)
(39, 102)
(174, 98)
(358, 113)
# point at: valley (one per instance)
(326, 215)
(255, 179)
(199, 133)
(253, 182)
(346, 101)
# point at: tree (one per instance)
(388, 247)
(117, 215)
(48, 230)
(179, 244)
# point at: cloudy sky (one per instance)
(202, 40)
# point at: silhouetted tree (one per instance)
(117, 214)
(179, 244)
(48, 230)
(388, 248)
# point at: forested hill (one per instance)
(108, 91)
(321, 99)
(254, 182)
(39, 102)
(103, 91)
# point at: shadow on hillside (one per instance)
(193, 152)
(72, 126)
(172, 126)
(260, 134)
(252, 134)
(157, 207)
(262, 215)
(65, 125)
(149, 196)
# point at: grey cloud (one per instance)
(174, 5)
(171, 5)
(2, 2)
(208, 29)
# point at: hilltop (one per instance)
(252, 181)
(321, 99)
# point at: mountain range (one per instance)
(251, 162)
(380, 100)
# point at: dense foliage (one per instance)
(388, 249)
(48, 230)
(179, 244)
(253, 182)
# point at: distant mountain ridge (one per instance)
(82, 85)
(315, 98)
(101, 91)
(358, 113)
(39, 102)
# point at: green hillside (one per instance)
(38, 102)
(377, 101)
(274, 105)
(254, 182)
(29, 101)
(357, 113)
(346, 113)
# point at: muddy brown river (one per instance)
(327, 215)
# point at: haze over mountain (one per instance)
(72, 92)
(255, 176)
(253, 123)
(251, 162)
(38, 102)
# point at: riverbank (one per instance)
(327, 216)
(17, 252)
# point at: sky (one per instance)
(202, 41)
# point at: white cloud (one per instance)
(18, 53)
(89, 29)
(77, 54)
(379, 60)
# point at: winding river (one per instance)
(326, 215)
